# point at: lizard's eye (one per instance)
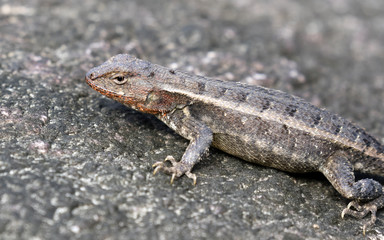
(119, 80)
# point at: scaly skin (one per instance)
(257, 124)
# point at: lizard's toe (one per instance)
(362, 210)
(162, 165)
(191, 176)
(176, 170)
(157, 166)
(170, 159)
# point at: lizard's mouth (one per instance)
(111, 94)
(89, 81)
(100, 89)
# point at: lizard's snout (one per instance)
(90, 75)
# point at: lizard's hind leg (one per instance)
(367, 194)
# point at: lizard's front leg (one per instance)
(201, 139)
(367, 194)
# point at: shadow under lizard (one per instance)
(259, 125)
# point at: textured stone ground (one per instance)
(74, 164)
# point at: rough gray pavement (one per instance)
(76, 165)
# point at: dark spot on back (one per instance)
(242, 96)
(337, 130)
(219, 92)
(201, 87)
(266, 105)
(291, 110)
(285, 129)
(152, 74)
(172, 71)
(316, 120)
(366, 142)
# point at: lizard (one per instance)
(260, 125)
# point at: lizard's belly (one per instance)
(280, 153)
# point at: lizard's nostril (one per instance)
(91, 76)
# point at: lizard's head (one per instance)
(123, 78)
(131, 81)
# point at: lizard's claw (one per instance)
(349, 211)
(176, 170)
(173, 178)
(362, 210)
(161, 165)
(191, 176)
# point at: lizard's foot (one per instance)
(176, 170)
(363, 209)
